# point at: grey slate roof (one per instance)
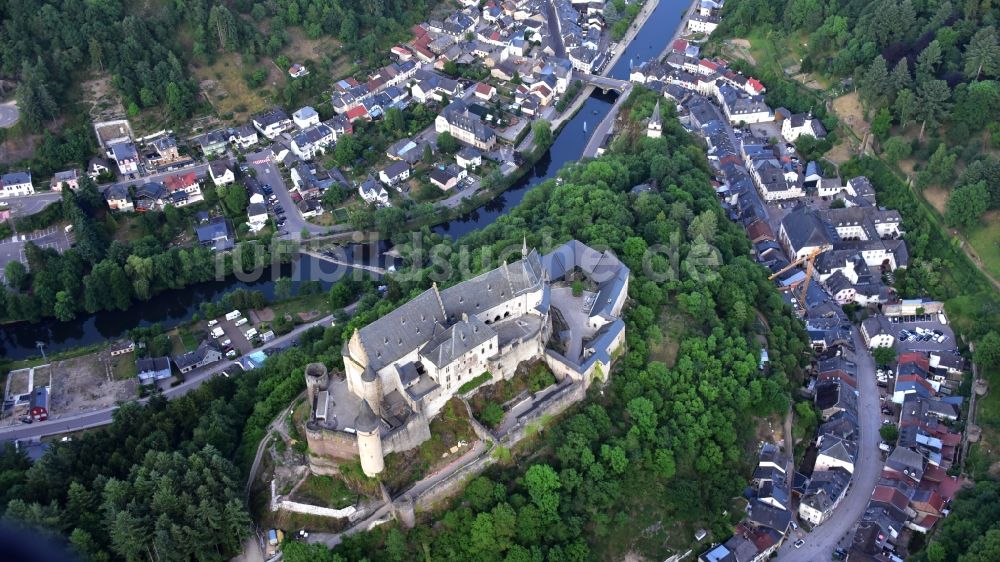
(397, 333)
(804, 228)
(366, 421)
(455, 341)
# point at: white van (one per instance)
(212, 322)
(233, 315)
(240, 322)
(217, 333)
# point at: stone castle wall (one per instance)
(412, 434)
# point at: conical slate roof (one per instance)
(366, 421)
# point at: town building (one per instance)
(465, 126)
(15, 184)
(152, 369)
(67, 179)
(272, 123)
(206, 354)
(305, 117)
(802, 124)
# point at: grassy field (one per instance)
(123, 366)
(325, 491)
(985, 241)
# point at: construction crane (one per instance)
(810, 261)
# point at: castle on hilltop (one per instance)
(402, 368)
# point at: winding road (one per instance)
(837, 531)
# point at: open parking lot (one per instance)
(235, 334)
(12, 249)
(924, 343)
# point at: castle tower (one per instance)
(317, 379)
(371, 389)
(369, 441)
(654, 129)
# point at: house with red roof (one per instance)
(357, 112)
(184, 189)
(485, 92)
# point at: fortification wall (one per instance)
(331, 443)
(413, 433)
(554, 404)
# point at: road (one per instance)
(25, 205)
(267, 172)
(8, 114)
(101, 417)
(605, 126)
(838, 530)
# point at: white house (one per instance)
(469, 157)
(272, 123)
(835, 452)
(126, 157)
(221, 172)
(877, 332)
(703, 24)
(394, 173)
(312, 141)
(305, 117)
(373, 192)
(244, 136)
(13, 184)
(802, 124)
(256, 216)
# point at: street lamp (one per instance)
(41, 347)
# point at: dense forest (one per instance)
(100, 273)
(47, 45)
(661, 442)
(926, 73)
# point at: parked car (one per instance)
(799, 543)
(226, 342)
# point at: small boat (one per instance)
(595, 112)
(584, 126)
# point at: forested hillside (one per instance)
(48, 45)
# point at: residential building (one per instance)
(394, 173)
(877, 332)
(465, 126)
(256, 216)
(244, 136)
(68, 179)
(206, 354)
(15, 184)
(823, 494)
(469, 157)
(446, 177)
(96, 167)
(373, 192)
(802, 124)
(221, 172)
(216, 234)
(213, 143)
(125, 157)
(118, 198)
(183, 188)
(272, 123)
(152, 369)
(297, 70)
(151, 196)
(312, 141)
(305, 117)
(698, 23)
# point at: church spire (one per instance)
(524, 247)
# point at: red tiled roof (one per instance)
(891, 496)
(760, 229)
(755, 84)
(709, 64)
(485, 89)
(679, 45)
(357, 112)
(839, 375)
(180, 181)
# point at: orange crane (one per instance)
(810, 261)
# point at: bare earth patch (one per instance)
(848, 109)
(740, 49)
(937, 197)
(81, 384)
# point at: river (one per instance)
(170, 308)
